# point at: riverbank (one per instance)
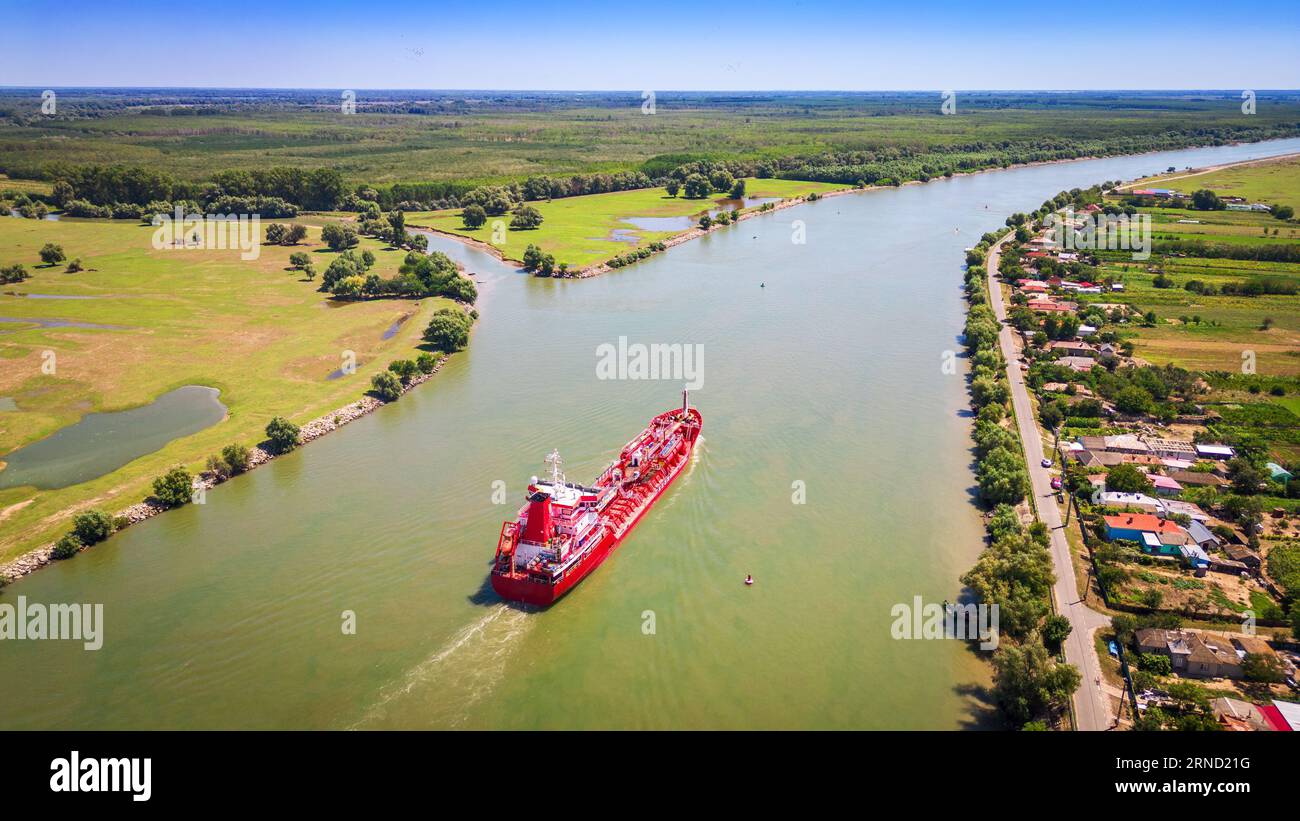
(695, 232)
(1209, 169)
(36, 559)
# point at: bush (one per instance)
(283, 434)
(175, 487)
(426, 362)
(386, 386)
(92, 527)
(448, 330)
(237, 457)
(67, 547)
(219, 467)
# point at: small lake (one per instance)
(102, 442)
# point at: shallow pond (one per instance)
(103, 442)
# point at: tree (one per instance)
(1002, 477)
(62, 193)
(1246, 478)
(532, 257)
(296, 233)
(1133, 400)
(386, 386)
(673, 187)
(473, 216)
(299, 259)
(283, 434)
(338, 237)
(448, 330)
(275, 233)
(175, 487)
(67, 547)
(1263, 668)
(1127, 478)
(1027, 681)
(13, 273)
(1206, 200)
(738, 190)
(426, 362)
(1282, 212)
(526, 218)
(93, 526)
(404, 369)
(52, 254)
(1055, 630)
(75, 266)
(706, 222)
(237, 457)
(697, 187)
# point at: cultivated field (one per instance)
(1213, 332)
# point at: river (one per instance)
(229, 614)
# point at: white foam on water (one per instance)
(456, 675)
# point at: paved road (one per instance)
(1091, 706)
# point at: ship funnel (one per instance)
(537, 528)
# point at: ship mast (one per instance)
(553, 459)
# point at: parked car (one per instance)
(1056, 483)
(1047, 463)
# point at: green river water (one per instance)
(228, 614)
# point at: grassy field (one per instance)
(1213, 332)
(1275, 183)
(499, 136)
(581, 230)
(258, 332)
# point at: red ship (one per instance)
(565, 530)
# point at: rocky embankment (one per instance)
(36, 559)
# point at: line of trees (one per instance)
(1015, 570)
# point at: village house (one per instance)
(1195, 478)
(1078, 364)
(1118, 500)
(1050, 306)
(1082, 349)
(1191, 653)
(1165, 486)
(1221, 453)
(1203, 536)
(1153, 534)
(1243, 555)
(1177, 507)
(1170, 448)
(1240, 716)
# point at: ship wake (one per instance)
(441, 690)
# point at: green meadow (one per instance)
(253, 329)
(1275, 183)
(591, 229)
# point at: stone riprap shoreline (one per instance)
(40, 557)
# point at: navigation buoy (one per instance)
(762, 284)
(749, 579)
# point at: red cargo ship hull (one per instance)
(566, 530)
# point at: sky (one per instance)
(672, 45)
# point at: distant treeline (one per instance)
(110, 185)
(323, 189)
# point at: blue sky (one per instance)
(794, 44)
